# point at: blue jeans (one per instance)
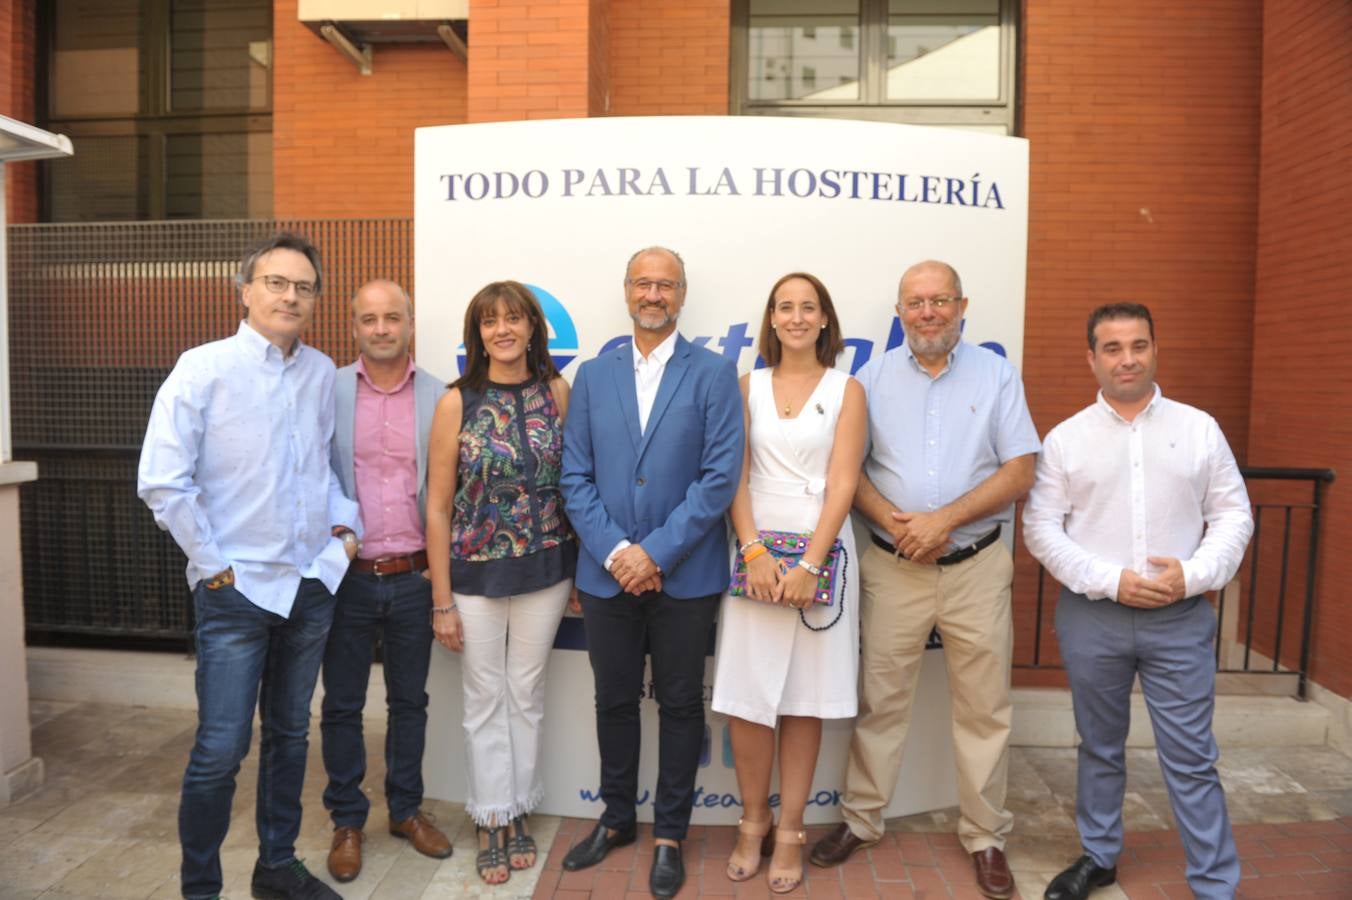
(247, 656)
(397, 609)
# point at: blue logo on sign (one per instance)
(562, 332)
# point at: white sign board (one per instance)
(561, 205)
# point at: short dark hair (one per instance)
(282, 240)
(517, 298)
(830, 343)
(1110, 311)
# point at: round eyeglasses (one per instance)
(277, 284)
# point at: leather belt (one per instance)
(957, 556)
(392, 565)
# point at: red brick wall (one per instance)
(18, 91)
(1143, 125)
(529, 59)
(342, 141)
(1302, 370)
(1142, 120)
(669, 58)
(598, 58)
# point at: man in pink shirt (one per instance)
(383, 417)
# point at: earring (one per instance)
(527, 346)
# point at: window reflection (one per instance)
(96, 58)
(220, 55)
(940, 50)
(799, 48)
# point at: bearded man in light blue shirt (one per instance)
(951, 447)
(235, 466)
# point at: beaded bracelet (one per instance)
(757, 549)
(444, 609)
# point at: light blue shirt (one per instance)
(933, 439)
(235, 466)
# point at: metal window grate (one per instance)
(98, 315)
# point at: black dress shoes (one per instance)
(1079, 881)
(593, 848)
(668, 872)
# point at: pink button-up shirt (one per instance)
(385, 463)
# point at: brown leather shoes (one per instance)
(837, 847)
(345, 854)
(993, 878)
(425, 837)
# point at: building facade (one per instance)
(1191, 156)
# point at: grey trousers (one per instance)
(1104, 646)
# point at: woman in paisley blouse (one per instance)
(501, 555)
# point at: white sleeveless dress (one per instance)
(768, 664)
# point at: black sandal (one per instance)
(491, 857)
(519, 843)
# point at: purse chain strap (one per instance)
(844, 582)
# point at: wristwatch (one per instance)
(351, 543)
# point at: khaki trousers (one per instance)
(899, 603)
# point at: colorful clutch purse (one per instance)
(787, 548)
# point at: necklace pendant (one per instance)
(786, 409)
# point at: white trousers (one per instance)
(507, 644)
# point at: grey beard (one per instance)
(667, 319)
(940, 346)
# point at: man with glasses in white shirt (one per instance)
(652, 454)
(235, 466)
(1138, 510)
(951, 447)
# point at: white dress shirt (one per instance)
(648, 372)
(235, 466)
(1111, 493)
(648, 376)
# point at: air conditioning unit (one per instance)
(354, 26)
(384, 21)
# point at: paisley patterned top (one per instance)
(509, 534)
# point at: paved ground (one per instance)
(104, 825)
(1297, 859)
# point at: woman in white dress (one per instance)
(784, 658)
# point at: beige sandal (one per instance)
(782, 881)
(750, 829)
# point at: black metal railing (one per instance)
(1316, 480)
(1273, 572)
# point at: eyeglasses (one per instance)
(938, 304)
(643, 285)
(277, 284)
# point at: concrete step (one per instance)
(1042, 716)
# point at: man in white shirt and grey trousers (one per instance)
(1138, 510)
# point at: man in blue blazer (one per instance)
(382, 421)
(652, 454)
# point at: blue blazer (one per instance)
(666, 488)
